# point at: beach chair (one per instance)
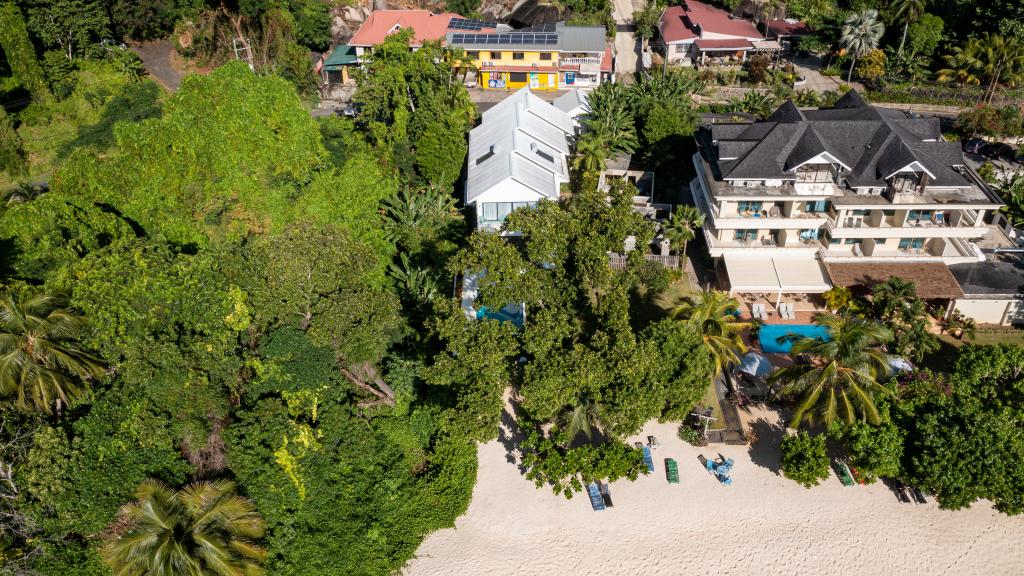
(648, 460)
(596, 500)
(843, 472)
(671, 471)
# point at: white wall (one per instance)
(1008, 311)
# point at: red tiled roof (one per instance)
(736, 44)
(779, 28)
(673, 26)
(675, 20)
(381, 23)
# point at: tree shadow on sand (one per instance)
(765, 451)
(511, 435)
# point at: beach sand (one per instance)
(762, 525)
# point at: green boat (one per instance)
(843, 471)
(671, 471)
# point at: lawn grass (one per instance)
(711, 399)
(942, 359)
(647, 310)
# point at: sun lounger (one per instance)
(843, 472)
(671, 471)
(605, 495)
(596, 500)
(648, 460)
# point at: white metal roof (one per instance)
(522, 139)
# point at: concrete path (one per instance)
(627, 45)
(156, 57)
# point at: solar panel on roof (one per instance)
(469, 24)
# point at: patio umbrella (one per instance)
(755, 365)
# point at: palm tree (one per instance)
(609, 113)
(585, 418)
(710, 314)
(841, 378)
(41, 362)
(681, 227)
(998, 59)
(591, 152)
(991, 57)
(911, 11)
(893, 295)
(204, 528)
(860, 35)
(962, 65)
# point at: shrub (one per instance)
(691, 436)
(804, 460)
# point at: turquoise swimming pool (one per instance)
(512, 313)
(770, 334)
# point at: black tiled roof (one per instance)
(871, 142)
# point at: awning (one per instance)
(766, 45)
(778, 274)
(342, 55)
(932, 279)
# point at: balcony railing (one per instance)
(575, 61)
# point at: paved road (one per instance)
(627, 46)
(156, 56)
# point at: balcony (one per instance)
(578, 61)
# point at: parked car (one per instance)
(974, 145)
(997, 150)
(351, 110)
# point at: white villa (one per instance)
(518, 155)
(807, 198)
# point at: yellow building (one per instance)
(548, 57)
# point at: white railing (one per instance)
(573, 61)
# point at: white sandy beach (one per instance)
(763, 524)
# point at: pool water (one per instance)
(511, 313)
(770, 334)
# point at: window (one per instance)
(473, 54)
(498, 211)
(745, 235)
(680, 48)
(517, 76)
(880, 241)
(911, 243)
(545, 55)
(746, 206)
(495, 55)
(888, 212)
(859, 212)
(545, 155)
(853, 241)
(518, 56)
(815, 206)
